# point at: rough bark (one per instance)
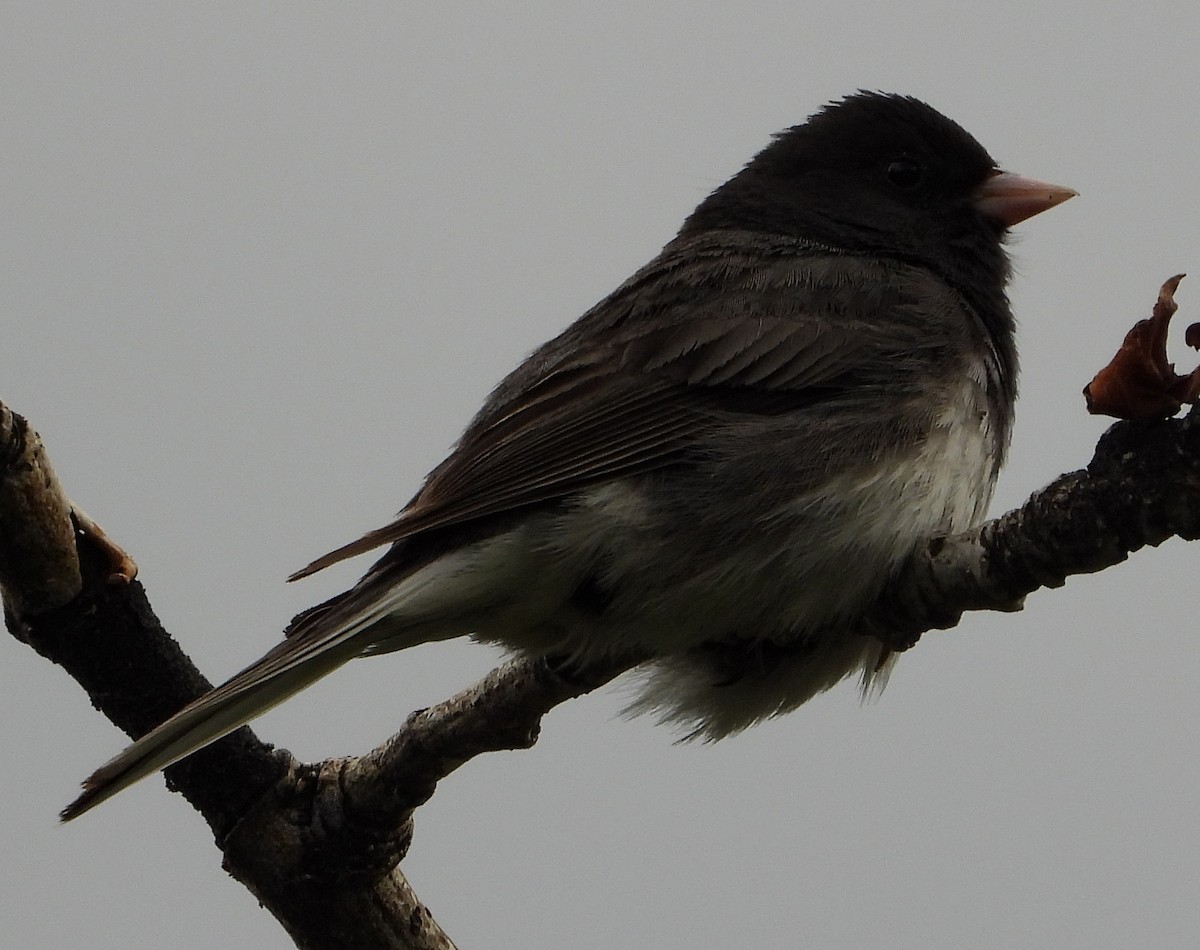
(320, 844)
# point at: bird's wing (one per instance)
(599, 402)
(630, 403)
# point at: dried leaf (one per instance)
(1140, 382)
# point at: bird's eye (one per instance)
(905, 173)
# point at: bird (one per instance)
(722, 464)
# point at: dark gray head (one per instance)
(876, 173)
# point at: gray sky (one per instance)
(261, 262)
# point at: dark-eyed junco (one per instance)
(721, 463)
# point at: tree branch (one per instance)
(319, 844)
(1141, 487)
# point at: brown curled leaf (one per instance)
(1140, 382)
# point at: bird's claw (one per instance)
(1140, 382)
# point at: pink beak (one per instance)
(1009, 198)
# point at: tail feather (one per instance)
(246, 696)
(393, 607)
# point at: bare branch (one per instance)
(501, 711)
(320, 845)
(1141, 488)
(107, 637)
(38, 566)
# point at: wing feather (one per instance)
(622, 393)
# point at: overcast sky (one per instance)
(261, 262)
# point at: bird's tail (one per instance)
(391, 608)
(294, 664)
